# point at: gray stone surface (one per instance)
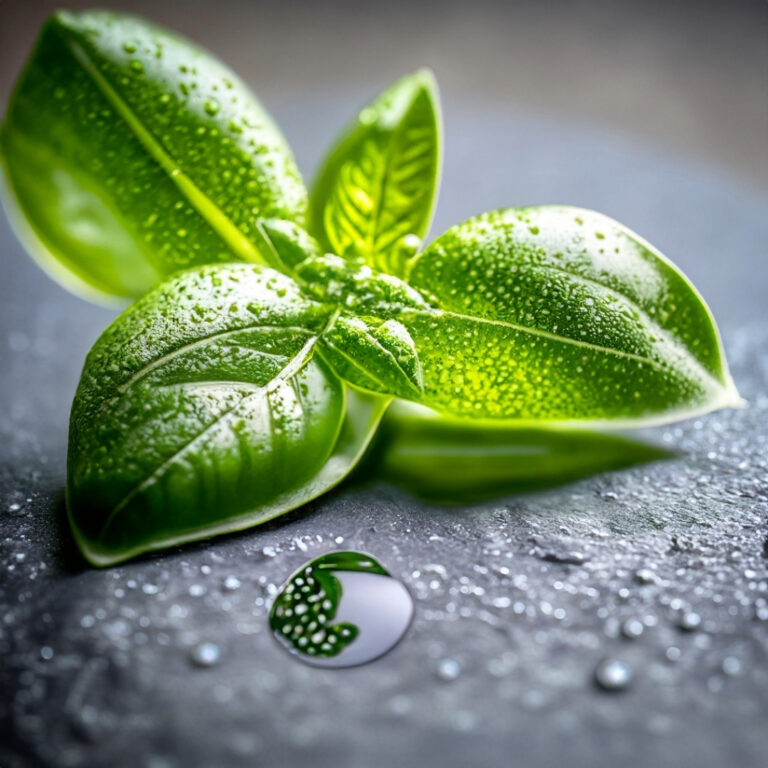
(663, 567)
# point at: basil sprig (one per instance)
(234, 392)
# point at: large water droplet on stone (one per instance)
(340, 610)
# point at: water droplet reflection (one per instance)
(340, 610)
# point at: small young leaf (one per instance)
(445, 460)
(362, 345)
(130, 154)
(287, 245)
(561, 314)
(374, 355)
(375, 193)
(202, 410)
(354, 287)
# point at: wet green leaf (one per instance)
(364, 343)
(130, 154)
(374, 355)
(374, 195)
(454, 461)
(561, 314)
(203, 409)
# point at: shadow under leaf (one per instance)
(451, 461)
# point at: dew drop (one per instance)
(205, 655)
(673, 653)
(448, 670)
(613, 675)
(231, 583)
(632, 628)
(212, 107)
(690, 621)
(344, 608)
(731, 666)
(645, 576)
(367, 116)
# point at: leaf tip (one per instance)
(425, 76)
(736, 400)
(731, 397)
(424, 81)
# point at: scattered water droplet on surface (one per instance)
(205, 655)
(340, 610)
(731, 666)
(690, 621)
(231, 583)
(613, 675)
(673, 653)
(645, 576)
(632, 628)
(448, 669)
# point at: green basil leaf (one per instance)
(445, 460)
(353, 287)
(202, 409)
(365, 344)
(374, 195)
(374, 355)
(130, 154)
(557, 313)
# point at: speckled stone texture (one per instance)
(518, 601)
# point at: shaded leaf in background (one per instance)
(454, 461)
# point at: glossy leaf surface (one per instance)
(130, 154)
(561, 314)
(374, 355)
(364, 343)
(454, 461)
(203, 409)
(374, 195)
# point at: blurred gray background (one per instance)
(654, 112)
(691, 76)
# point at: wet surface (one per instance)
(621, 618)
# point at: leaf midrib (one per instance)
(206, 208)
(706, 375)
(380, 189)
(176, 352)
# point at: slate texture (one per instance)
(663, 567)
